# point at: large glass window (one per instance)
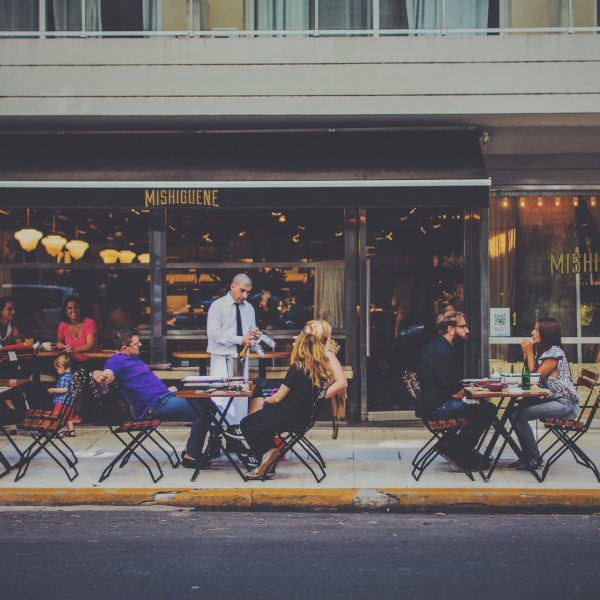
(545, 262)
(100, 256)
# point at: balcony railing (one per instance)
(293, 18)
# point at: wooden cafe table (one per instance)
(204, 356)
(502, 426)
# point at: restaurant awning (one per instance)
(351, 160)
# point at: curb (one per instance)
(297, 499)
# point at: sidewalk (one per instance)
(367, 468)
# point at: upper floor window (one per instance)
(235, 16)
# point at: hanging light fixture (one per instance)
(53, 243)
(28, 237)
(144, 258)
(77, 248)
(109, 256)
(126, 256)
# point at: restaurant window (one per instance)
(294, 257)
(106, 267)
(544, 254)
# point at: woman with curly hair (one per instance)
(337, 392)
(292, 404)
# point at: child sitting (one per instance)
(62, 364)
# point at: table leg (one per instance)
(218, 419)
(501, 431)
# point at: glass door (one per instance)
(414, 271)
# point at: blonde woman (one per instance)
(292, 404)
(337, 391)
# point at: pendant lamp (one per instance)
(109, 256)
(144, 258)
(53, 243)
(126, 256)
(28, 238)
(77, 248)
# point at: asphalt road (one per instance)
(168, 553)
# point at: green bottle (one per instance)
(525, 375)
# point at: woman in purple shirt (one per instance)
(149, 396)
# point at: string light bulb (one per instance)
(557, 201)
(505, 202)
(540, 201)
(575, 201)
(522, 201)
(592, 200)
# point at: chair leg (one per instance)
(170, 452)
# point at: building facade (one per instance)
(372, 162)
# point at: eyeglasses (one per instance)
(461, 326)
(138, 343)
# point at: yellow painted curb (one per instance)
(306, 499)
(496, 497)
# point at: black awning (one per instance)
(350, 156)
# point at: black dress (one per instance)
(294, 410)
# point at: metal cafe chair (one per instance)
(568, 432)
(132, 433)
(294, 438)
(442, 430)
(45, 428)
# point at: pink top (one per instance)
(88, 327)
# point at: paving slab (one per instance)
(367, 468)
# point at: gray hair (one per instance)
(242, 278)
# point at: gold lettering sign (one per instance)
(180, 197)
(572, 263)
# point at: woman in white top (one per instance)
(544, 355)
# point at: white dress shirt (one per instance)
(221, 326)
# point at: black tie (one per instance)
(238, 322)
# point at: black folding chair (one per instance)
(568, 432)
(296, 436)
(9, 417)
(442, 431)
(132, 433)
(45, 428)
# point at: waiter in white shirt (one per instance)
(231, 324)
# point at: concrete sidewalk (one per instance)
(367, 468)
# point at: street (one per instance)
(181, 553)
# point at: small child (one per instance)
(62, 364)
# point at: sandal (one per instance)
(70, 433)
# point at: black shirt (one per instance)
(298, 404)
(440, 373)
